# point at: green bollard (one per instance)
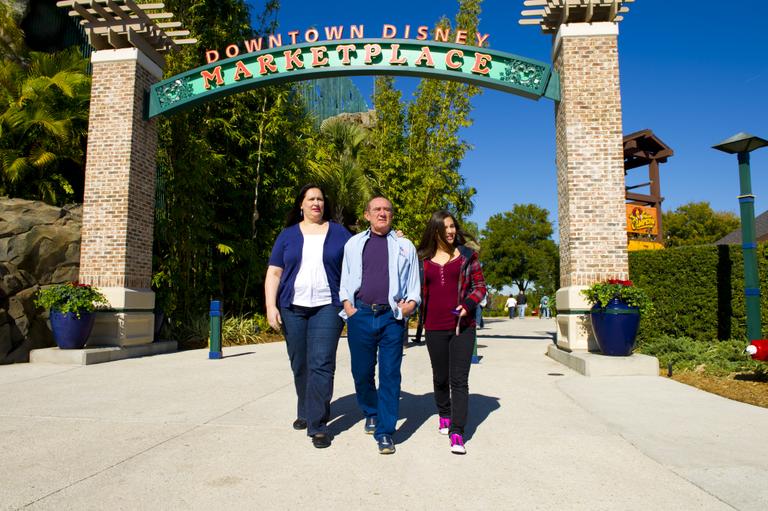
(214, 343)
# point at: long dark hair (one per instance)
(294, 215)
(435, 232)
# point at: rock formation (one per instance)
(39, 246)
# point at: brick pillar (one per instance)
(590, 172)
(119, 202)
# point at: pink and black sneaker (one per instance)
(457, 444)
(445, 425)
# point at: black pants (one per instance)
(451, 357)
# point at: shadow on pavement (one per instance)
(415, 409)
(344, 414)
(480, 407)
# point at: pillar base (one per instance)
(574, 328)
(593, 364)
(130, 322)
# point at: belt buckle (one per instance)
(379, 308)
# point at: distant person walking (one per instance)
(544, 307)
(479, 312)
(522, 302)
(452, 289)
(302, 297)
(510, 305)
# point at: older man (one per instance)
(379, 289)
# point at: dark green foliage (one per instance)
(714, 357)
(43, 119)
(416, 150)
(696, 223)
(228, 172)
(697, 291)
(70, 297)
(517, 249)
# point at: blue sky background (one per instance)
(694, 74)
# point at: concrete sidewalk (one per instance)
(181, 432)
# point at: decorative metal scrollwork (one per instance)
(523, 74)
(174, 92)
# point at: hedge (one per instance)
(697, 291)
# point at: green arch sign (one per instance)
(401, 57)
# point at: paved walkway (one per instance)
(181, 432)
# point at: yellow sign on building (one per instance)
(642, 220)
(643, 245)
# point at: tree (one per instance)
(696, 223)
(416, 151)
(516, 249)
(44, 100)
(228, 171)
(336, 166)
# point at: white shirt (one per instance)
(311, 288)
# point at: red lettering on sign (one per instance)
(311, 35)
(293, 59)
(441, 34)
(232, 50)
(425, 55)
(275, 40)
(334, 33)
(356, 31)
(294, 35)
(371, 50)
(394, 59)
(318, 56)
(481, 60)
(450, 62)
(267, 63)
(240, 69)
(345, 50)
(461, 37)
(211, 56)
(388, 32)
(207, 76)
(254, 44)
(422, 33)
(481, 38)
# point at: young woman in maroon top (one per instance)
(452, 288)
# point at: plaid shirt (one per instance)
(471, 287)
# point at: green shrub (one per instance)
(70, 297)
(697, 291)
(714, 357)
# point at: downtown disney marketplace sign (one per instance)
(345, 51)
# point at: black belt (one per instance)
(376, 308)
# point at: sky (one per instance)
(694, 74)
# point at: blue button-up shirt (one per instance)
(404, 283)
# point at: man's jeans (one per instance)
(521, 310)
(312, 336)
(371, 332)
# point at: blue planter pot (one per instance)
(615, 327)
(69, 331)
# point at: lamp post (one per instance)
(742, 144)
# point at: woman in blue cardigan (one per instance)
(302, 298)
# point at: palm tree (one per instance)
(44, 102)
(337, 168)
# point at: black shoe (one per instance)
(370, 425)
(299, 424)
(386, 445)
(321, 440)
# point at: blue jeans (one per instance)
(312, 336)
(544, 311)
(521, 310)
(371, 334)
